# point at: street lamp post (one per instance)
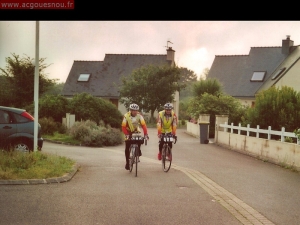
(36, 87)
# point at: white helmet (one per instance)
(133, 107)
(168, 106)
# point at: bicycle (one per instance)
(166, 152)
(136, 140)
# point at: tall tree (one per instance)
(150, 87)
(187, 75)
(204, 74)
(5, 95)
(55, 90)
(188, 78)
(19, 73)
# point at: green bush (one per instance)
(90, 134)
(57, 105)
(275, 107)
(80, 130)
(88, 107)
(49, 126)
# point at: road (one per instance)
(207, 184)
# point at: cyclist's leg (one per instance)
(160, 146)
(127, 153)
(131, 157)
(140, 150)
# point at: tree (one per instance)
(19, 74)
(209, 99)
(210, 86)
(150, 87)
(217, 105)
(187, 75)
(187, 79)
(55, 90)
(204, 74)
(5, 95)
(183, 109)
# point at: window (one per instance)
(258, 76)
(84, 77)
(278, 73)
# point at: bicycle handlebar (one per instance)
(169, 135)
(175, 139)
(136, 139)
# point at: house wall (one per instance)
(247, 102)
(291, 78)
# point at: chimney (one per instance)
(286, 44)
(170, 54)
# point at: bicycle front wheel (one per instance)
(136, 160)
(166, 158)
(131, 158)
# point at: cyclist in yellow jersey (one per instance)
(130, 125)
(166, 123)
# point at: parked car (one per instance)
(17, 130)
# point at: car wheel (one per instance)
(22, 146)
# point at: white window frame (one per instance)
(278, 73)
(258, 76)
(84, 77)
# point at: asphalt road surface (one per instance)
(207, 184)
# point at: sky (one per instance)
(196, 43)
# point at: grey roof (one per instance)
(105, 75)
(235, 72)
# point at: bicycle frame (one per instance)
(136, 139)
(166, 152)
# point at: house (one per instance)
(101, 78)
(243, 76)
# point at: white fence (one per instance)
(258, 131)
(276, 151)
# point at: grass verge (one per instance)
(62, 138)
(34, 165)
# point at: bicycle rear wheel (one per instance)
(166, 158)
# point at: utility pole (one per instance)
(36, 86)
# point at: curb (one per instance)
(61, 179)
(62, 143)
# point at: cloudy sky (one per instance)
(196, 43)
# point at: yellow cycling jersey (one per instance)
(165, 123)
(131, 124)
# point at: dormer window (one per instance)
(84, 77)
(258, 76)
(278, 73)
